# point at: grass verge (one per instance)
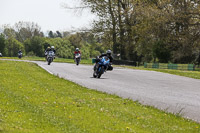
(63, 60)
(34, 101)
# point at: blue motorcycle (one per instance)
(101, 67)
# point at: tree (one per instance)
(9, 32)
(62, 46)
(66, 34)
(12, 47)
(2, 43)
(179, 27)
(25, 30)
(35, 45)
(50, 34)
(161, 52)
(59, 34)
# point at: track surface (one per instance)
(175, 94)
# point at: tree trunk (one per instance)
(121, 31)
(114, 35)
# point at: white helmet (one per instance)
(52, 47)
(108, 52)
(77, 49)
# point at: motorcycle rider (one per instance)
(77, 51)
(108, 54)
(53, 49)
(46, 52)
(50, 49)
(19, 52)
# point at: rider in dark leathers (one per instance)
(108, 54)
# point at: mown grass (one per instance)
(32, 101)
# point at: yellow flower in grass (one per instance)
(127, 128)
(56, 106)
(70, 117)
(20, 87)
(46, 100)
(197, 127)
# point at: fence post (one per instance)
(145, 65)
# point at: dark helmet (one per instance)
(108, 52)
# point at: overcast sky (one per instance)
(48, 14)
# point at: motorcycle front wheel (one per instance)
(100, 73)
(49, 61)
(77, 62)
(94, 74)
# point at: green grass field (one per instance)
(32, 101)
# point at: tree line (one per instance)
(28, 37)
(137, 30)
(149, 30)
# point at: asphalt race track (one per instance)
(171, 93)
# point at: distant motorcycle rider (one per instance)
(53, 49)
(108, 54)
(20, 53)
(50, 49)
(77, 51)
(46, 51)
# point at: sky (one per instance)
(48, 14)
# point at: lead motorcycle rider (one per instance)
(108, 54)
(77, 51)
